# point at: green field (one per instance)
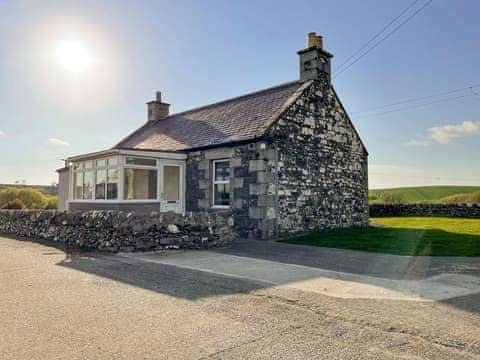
(432, 194)
(427, 236)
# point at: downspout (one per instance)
(277, 208)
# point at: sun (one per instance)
(73, 56)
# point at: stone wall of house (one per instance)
(322, 172)
(323, 168)
(250, 182)
(448, 210)
(120, 231)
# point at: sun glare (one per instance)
(73, 56)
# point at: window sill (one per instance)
(221, 207)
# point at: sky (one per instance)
(75, 75)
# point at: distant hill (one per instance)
(44, 189)
(432, 194)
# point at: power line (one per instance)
(384, 38)
(376, 35)
(409, 100)
(415, 106)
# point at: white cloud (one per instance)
(417, 143)
(447, 133)
(58, 142)
(2, 134)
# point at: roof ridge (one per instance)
(256, 92)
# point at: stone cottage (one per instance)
(281, 160)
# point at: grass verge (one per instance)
(427, 236)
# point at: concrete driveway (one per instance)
(333, 272)
(60, 305)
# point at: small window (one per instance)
(141, 161)
(221, 183)
(88, 164)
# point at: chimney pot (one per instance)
(314, 40)
(159, 96)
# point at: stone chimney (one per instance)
(314, 61)
(157, 109)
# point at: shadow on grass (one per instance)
(395, 241)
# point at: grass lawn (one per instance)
(428, 236)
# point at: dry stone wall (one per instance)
(447, 210)
(120, 231)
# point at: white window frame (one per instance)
(141, 167)
(93, 170)
(218, 182)
(82, 170)
(106, 167)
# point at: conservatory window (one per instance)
(106, 179)
(95, 179)
(112, 184)
(140, 179)
(83, 181)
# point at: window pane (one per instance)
(101, 163)
(78, 185)
(77, 165)
(87, 185)
(140, 184)
(222, 194)
(100, 185)
(88, 164)
(171, 183)
(112, 184)
(141, 161)
(222, 171)
(113, 161)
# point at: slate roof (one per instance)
(231, 120)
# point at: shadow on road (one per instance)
(166, 279)
(178, 277)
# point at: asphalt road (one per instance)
(79, 305)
